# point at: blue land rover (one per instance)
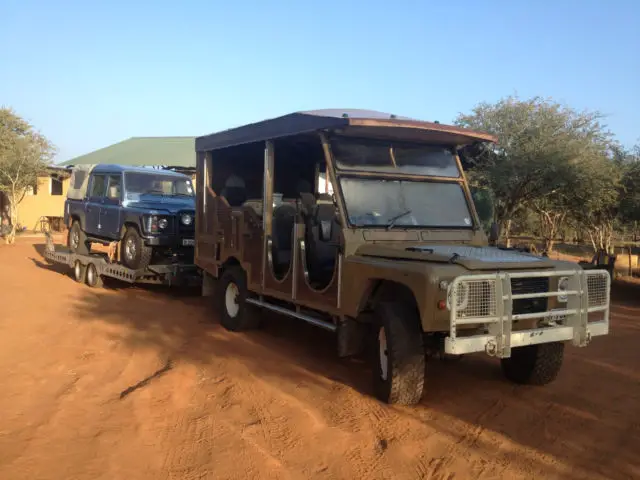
(150, 211)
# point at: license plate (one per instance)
(188, 242)
(557, 317)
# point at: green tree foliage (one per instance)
(594, 202)
(540, 145)
(24, 155)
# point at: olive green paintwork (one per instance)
(421, 273)
(369, 256)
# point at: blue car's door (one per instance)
(110, 211)
(97, 189)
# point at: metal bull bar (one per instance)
(486, 300)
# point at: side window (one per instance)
(114, 188)
(98, 186)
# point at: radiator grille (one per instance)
(529, 285)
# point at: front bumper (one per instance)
(486, 301)
(170, 241)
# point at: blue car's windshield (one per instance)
(157, 184)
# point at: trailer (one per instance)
(93, 268)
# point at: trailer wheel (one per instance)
(77, 239)
(94, 280)
(534, 364)
(398, 355)
(79, 271)
(236, 314)
(135, 254)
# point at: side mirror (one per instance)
(494, 233)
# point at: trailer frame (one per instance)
(92, 268)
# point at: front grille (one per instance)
(529, 285)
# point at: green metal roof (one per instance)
(143, 151)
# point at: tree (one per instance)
(540, 145)
(24, 156)
(552, 212)
(629, 162)
(595, 200)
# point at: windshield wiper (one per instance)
(393, 220)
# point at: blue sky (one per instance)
(89, 75)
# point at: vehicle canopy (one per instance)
(346, 121)
(79, 181)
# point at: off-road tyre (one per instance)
(232, 290)
(135, 254)
(82, 247)
(534, 364)
(406, 362)
(93, 279)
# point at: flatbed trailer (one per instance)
(92, 268)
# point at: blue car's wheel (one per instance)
(135, 254)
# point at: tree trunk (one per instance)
(548, 245)
(11, 238)
(507, 233)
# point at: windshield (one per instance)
(394, 157)
(157, 184)
(402, 203)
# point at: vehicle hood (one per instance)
(160, 203)
(470, 257)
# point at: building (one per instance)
(42, 204)
(177, 153)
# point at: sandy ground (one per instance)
(278, 403)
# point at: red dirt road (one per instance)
(278, 403)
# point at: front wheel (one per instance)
(534, 364)
(399, 357)
(135, 254)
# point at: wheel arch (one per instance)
(379, 290)
(129, 223)
(229, 262)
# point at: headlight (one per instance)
(462, 297)
(155, 223)
(186, 219)
(563, 286)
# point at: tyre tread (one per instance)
(406, 355)
(534, 364)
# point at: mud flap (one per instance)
(351, 337)
(209, 284)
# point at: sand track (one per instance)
(277, 403)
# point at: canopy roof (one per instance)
(143, 151)
(349, 121)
